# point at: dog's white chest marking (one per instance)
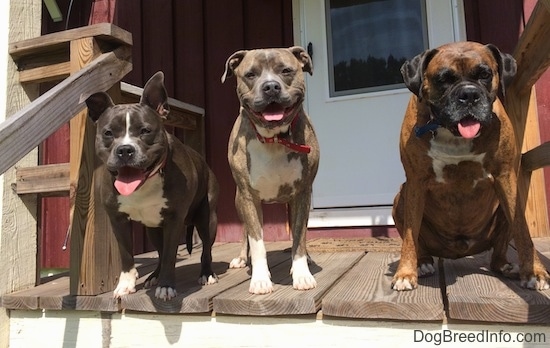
(270, 169)
(446, 149)
(146, 203)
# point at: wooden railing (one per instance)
(533, 58)
(84, 61)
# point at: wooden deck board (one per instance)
(365, 292)
(284, 300)
(351, 284)
(476, 293)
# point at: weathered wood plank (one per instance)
(48, 180)
(284, 300)
(103, 31)
(476, 293)
(25, 129)
(365, 292)
(46, 73)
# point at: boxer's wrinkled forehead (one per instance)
(464, 60)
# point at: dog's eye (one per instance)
(250, 75)
(108, 133)
(287, 71)
(144, 131)
(446, 76)
(485, 75)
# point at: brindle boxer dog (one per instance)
(273, 154)
(459, 152)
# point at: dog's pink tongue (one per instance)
(273, 116)
(128, 180)
(468, 128)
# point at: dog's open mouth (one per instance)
(129, 179)
(274, 112)
(469, 127)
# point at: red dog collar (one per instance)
(277, 140)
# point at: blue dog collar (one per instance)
(428, 127)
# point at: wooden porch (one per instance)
(353, 278)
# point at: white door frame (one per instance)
(371, 216)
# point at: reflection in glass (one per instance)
(369, 40)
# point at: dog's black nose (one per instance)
(125, 152)
(469, 95)
(271, 88)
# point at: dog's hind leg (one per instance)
(206, 224)
(241, 260)
(155, 237)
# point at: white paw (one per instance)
(126, 283)
(165, 293)
(211, 279)
(426, 269)
(535, 284)
(237, 262)
(510, 270)
(402, 284)
(260, 286)
(260, 283)
(302, 279)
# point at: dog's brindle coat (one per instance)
(273, 154)
(461, 161)
(149, 176)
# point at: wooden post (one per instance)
(533, 57)
(94, 255)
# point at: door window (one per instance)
(369, 40)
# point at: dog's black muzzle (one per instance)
(464, 102)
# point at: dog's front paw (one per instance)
(305, 282)
(403, 284)
(237, 262)
(126, 283)
(535, 283)
(403, 281)
(302, 279)
(208, 279)
(165, 293)
(261, 283)
(538, 280)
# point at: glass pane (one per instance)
(369, 40)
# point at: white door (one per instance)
(356, 97)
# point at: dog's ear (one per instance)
(232, 63)
(97, 103)
(507, 67)
(155, 95)
(413, 71)
(301, 54)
